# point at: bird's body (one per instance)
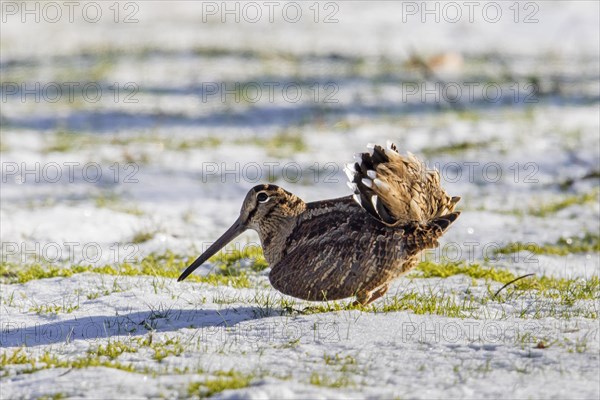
(354, 254)
(349, 246)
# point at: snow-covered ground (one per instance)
(123, 139)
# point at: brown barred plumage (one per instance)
(350, 246)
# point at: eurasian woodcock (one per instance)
(349, 246)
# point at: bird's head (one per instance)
(266, 204)
(265, 208)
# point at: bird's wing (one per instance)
(335, 254)
(337, 249)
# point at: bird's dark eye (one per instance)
(262, 197)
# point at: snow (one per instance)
(187, 197)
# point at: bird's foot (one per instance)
(366, 298)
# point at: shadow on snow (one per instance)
(95, 327)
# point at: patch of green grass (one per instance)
(17, 356)
(43, 309)
(66, 141)
(222, 381)
(167, 142)
(328, 306)
(94, 295)
(281, 144)
(112, 350)
(555, 206)
(52, 361)
(345, 363)
(577, 346)
(169, 347)
(113, 202)
(287, 140)
(3, 146)
(167, 265)
(588, 243)
(440, 303)
(565, 291)
(268, 303)
(212, 51)
(468, 115)
(292, 344)
(100, 356)
(428, 303)
(142, 236)
(188, 144)
(100, 70)
(34, 204)
(105, 291)
(55, 396)
(47, 360)
(13, 273)
(318, 379)
(8, 300)
(230, 260)
(429, 269)
(455, 148)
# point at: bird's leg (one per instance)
(362, 299)
(378, 293)
(366, 298)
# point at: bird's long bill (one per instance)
(236, 229)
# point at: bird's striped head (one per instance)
(266, 209)
(265, 203)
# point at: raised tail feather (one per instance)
(442, 223)
(425, 236)
(398, 189)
